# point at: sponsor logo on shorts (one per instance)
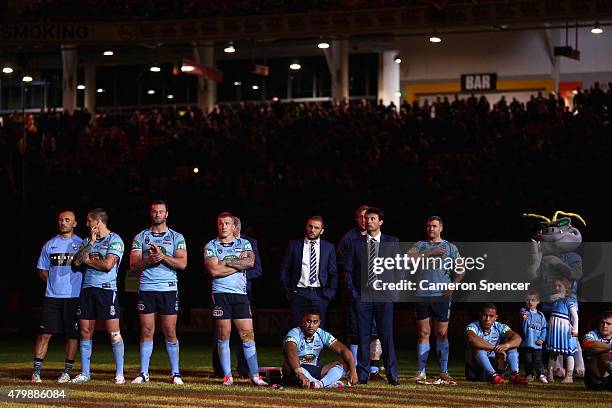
(217, 311)
(78, 312)
(140, 306)
(176, 307)
(112, 310)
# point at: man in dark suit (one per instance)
(308, 273)
(360, 281)
(253, 273)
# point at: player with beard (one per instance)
(158, 253)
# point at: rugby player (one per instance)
(61, 295)
(100, 255)
(227, 259)
(158, 253)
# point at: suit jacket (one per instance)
(356, 263)
(255, 271)
(291, 268)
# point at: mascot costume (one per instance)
(553, 254)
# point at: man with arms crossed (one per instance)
(227, 258)
(158, 253)
(100, 255)
(61, 295)
(491, 347)
(302, 347)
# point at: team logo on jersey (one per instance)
(141, 306)
(309, 358)
(217, 311)
(219, 250)
(112, 310)
(75, 247)
(117, 246)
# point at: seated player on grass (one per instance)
(302, 347)
(597, 346)
(491, 347)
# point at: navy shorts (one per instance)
(98, 303)
(165, 303)
(314, 370)
(439, 311)
(59, 316)
(230, 306)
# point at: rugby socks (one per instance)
(68, 366)
(334, 374)
(85, 356)
(483, 361)
(37, 365)
(353, 348)
(224, 356)
(118, 351)
(513, 360)
(422, 354)
(250, 355)
(442, 349)
(146, 349)
(173, 355)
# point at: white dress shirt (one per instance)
(304, 281)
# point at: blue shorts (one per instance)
(166, 303)
(98, 303)
(439, 311)
(230, 306)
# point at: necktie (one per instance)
(371, 257)
(313, 264)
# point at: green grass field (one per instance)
(199, 390)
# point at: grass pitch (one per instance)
(201, 391)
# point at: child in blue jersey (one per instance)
(534, 335)
(100, 255)
(562, 329)
(302, 348)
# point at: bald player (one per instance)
(61, 295)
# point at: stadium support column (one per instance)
(337, 57)
(90, 87)
(69, 83)
(204, 54)
(388, 77)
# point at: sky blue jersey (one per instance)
(437, 275)
(493, 336)
(56, 257)
(234, 283)
(159, 277)
(309, 350)
(111, 244)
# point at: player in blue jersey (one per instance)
(227, 259)
(158, 253)
(61, 295)
(597, 346)
(534, 336)
(491, 347)
(302, 347)
(99, 256)
(433, 307)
